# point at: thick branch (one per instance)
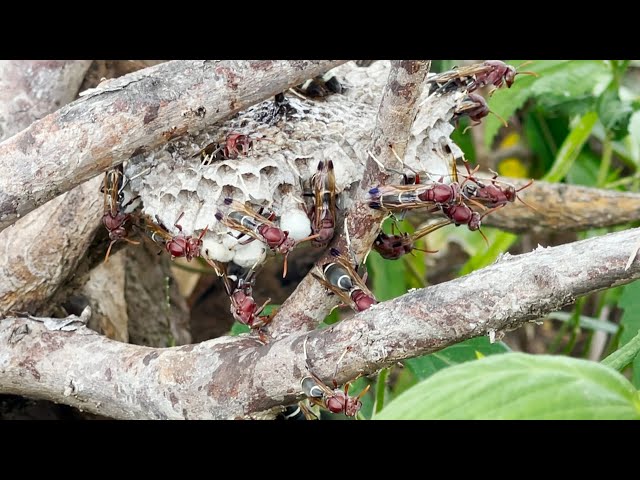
(31, 89)
(42, 248)
(232, 377)
(395, 117)
(127, 115)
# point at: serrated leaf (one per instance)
(566, 78)
(519, 386)
(630, 322)
(423, 367)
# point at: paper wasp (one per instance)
(323, 214)
(240, 291)
(343, 280)
(115, 219)
(179, 245)
(336, 400)
(475, 107)
(394, 246)
(472, 77)
(257, 227)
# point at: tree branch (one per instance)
(42, 248)
(395, 117)
(128, 115)
(235, 377)
(31, 89)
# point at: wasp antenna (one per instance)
(346, 233)
(382, 167)
(525, 186)
(106, 258)
(363, 392)
(424, 250)
(528, 73)
(484, 237)
(504, 122)
(528, 205)
(396, 155)
(284, 271)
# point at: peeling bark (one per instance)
(125, 116)
(234, 377)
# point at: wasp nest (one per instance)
(285, 141)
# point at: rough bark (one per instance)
(41, 249)
(239, 376)
(125, 116)
(31, 89)
(395, 118)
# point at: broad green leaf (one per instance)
(561, 80)
(571, 147)
(519, 386)
(630, 323)
(423, 367)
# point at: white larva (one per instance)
(248, 255)
(296, 222)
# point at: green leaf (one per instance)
(559, 81)
(423, 367)
(614, 113)
(520, 386)
(499, 242)
(388, 277)
(584, 170)
(630, 322)
(238, 328)
(543, 136)
(571, 147)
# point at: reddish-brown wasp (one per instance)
(495, 194)
(475, 107)
(343, 280)
(240, 291)
(115, 219)
(434, 194)
(395, 246)
(179, 245)
(472, 77)
(323, 214)
(336, 400)
(257, 227)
